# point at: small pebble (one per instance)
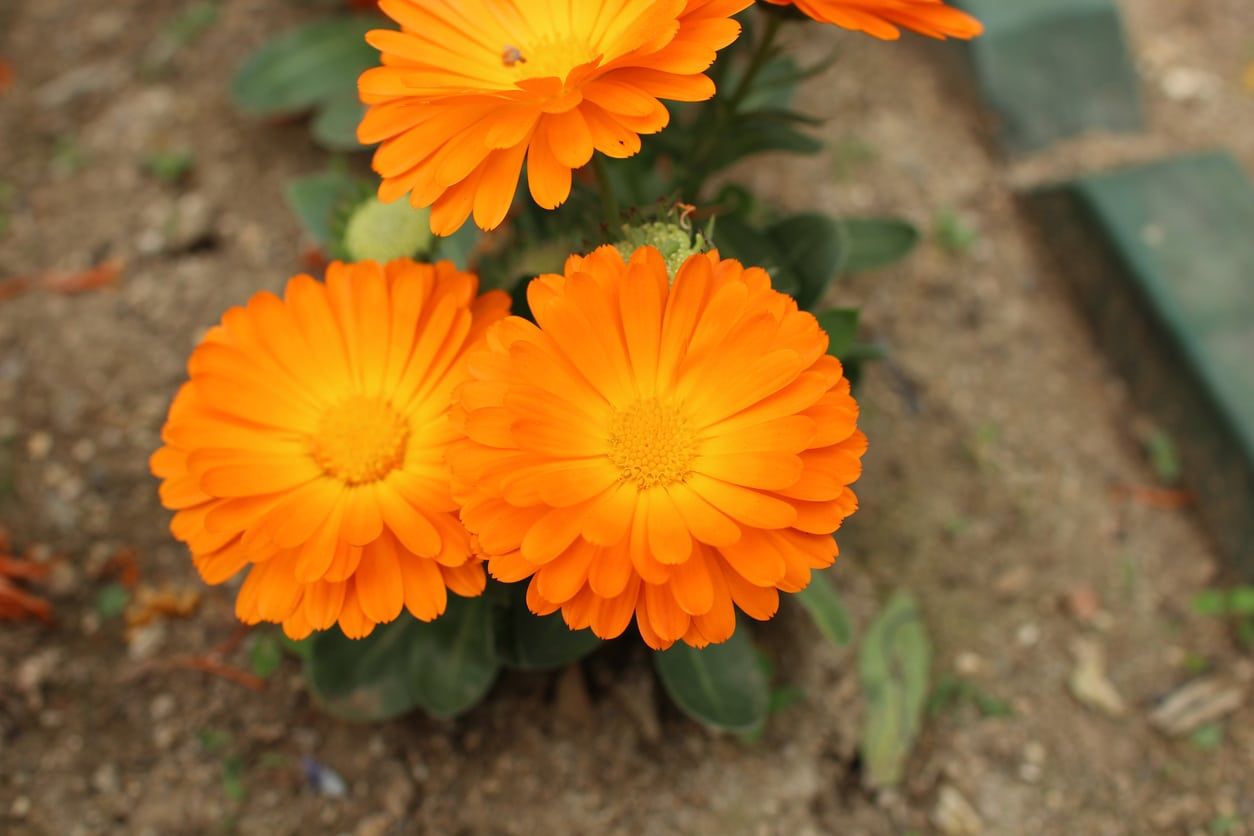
(105, 779)
(163, 706)
(968, 663)
(38, 446)
(84, 450)
(1030, 772)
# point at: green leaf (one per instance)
(335, 126)
(825, 607)
(841, 325)
(774, 86)
(233, 783)
(445, 666)
(532, 642)
(722, 685)
(738, 239)
(1211, 602)
(266, 654)
(111, 600)
(170, 166)
(893, 665)
(872, 243)
(1208, 737)
(1164, 456)
(315, 199)
(954, 235)
(759, 133)
(455, 660)
(1241, 600)
(458, 247)
(306, 66)
(192, 22)
(810, 244)
(300, 648)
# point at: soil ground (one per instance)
(996, 489)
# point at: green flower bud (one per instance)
(674, 242)
(379, 231)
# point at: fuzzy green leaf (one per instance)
(265, 654)
(823, 602)
(304, 67)
(460, 246)
(531, 642)
(335, 126)
(445, 666)
(722, 685)
(315, 199)
(872, 243)
(893, 665)
(810, 245)
(841, 325)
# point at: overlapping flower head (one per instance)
(885, 18)
(469, 90)
(309, 446)
(668, 452)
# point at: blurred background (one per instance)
(1086, 679)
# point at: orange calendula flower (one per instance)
(881, 18)
(469, 89)
(310, 444)
(668, 452)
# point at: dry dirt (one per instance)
(999, 443)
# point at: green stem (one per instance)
(728, 109)
(609, 200)
(760, 56)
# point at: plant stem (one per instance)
(728, 109)
(609, 200)
(760, 56)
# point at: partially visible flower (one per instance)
(309, 446)
(470, 89)
(881, 18)
(664, 451)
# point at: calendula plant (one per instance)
(660, 440)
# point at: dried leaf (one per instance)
(1089, 683)
(16, 603)
(103, 275)
(14, 287)
(1164, 498)
(124, 566)
(151, 604)
(954, 815)
(1195, 704)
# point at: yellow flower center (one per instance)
(360, 440)
(652, 444)
(553, 56)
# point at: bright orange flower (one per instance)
(882, 17)
(310, 442)
(668, 452)
(469, 88)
